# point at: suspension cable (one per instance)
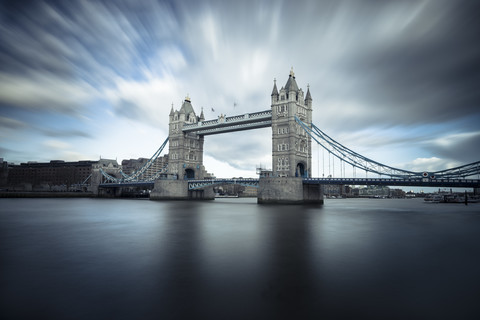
(368, 165)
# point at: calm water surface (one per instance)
(234, 259)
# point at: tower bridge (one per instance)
(183, 175)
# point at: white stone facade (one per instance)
(185, 149)
(291, 146)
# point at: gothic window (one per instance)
(282, 164)
(282, 110)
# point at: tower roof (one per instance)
(291, 84)
(187, 106)
(274, 91)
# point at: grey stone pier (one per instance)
(288, 190)
(178, 190)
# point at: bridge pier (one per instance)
(178, 190)
(109, 192)
(288, 190)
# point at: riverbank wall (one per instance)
(40, 194)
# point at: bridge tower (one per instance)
(185, 149)
(291, 146)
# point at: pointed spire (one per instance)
(308, 97)
(291, 84)
(171, 110)
(202, 116)
(274, 91)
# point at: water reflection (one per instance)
(289, 286)
(232, 258)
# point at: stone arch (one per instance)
(301, 170)
(189, 173)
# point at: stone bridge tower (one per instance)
(291, 145)
(185, 156)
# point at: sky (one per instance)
(396, 81)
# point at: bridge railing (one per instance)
(425, 182)
(259, 114)
(198, 184)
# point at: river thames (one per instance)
(234, 259)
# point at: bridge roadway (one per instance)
(198, 184)
(246, 121)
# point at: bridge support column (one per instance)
(178, 190)
(288, 190)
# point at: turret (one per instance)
(274, 92)
(308, 98)
(172, 112)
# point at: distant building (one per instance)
(3, 173)
(337, 190)
(397, 193)
(132, 165)
(236, 190)
(375, 191)
(382, 191)
(56, 175)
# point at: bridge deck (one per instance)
(262, 119)
(197, 184)
(468, 183)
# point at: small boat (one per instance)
(453, 198)
(226, 196)
(435, 198)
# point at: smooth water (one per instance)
(234, 259)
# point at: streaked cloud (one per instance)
(390, 77)
(11, 123)
(56, 144)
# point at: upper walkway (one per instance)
(224, 124)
